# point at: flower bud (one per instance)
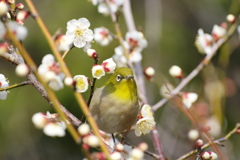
(84, 129)
(176, 72)
(68, 81)
(199, 143)
(19, 6)
(189, 98)
(119, 147)
(193, 134)
(231, 18)
(92, 53)
(39, 120)
(213, 155)
(91, 140)
(115, 156)
(22, 15)
(136, 154)
(22, 70)
(98, 71)
(54, 130)
(149, 72)
(109, 65)
(218, 32)
(81, 83)
(143, 146)
(3, 8)
(205, 155)
(3, 48)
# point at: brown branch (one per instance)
(218, 141)
(195, 72)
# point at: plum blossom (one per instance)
(109, 65)
(136, 40)
(189, 98)
(176, 72)
(51, 72)
(79, 32)
(113, 5)
(98, 71)
(54, 130)
(81, 83)
(145, 121)
(63, 42)
(102, 36)
(218, 32)
(19, 30)
(3, 84)
(204, 42)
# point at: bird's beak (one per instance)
(128, 77)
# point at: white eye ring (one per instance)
(118, 78)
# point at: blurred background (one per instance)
(170, 27)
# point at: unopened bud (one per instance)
(3, 8)
(199, 143)
(39, 120)
(115, 156)
(84, 129)
(205, 155)
(231, 18)
(22, 70)
(136, 154)
(19, 6)
(22, 15)
(3, 48)
(143, 146)
(219, 31)
(176, 72)
(91, 140)
(119, 147)
(193, 134)
(149, 72)
(68, 81)
(92, 53)
(213, 155)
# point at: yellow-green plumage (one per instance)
(115, 104)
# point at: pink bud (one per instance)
(10, 1)
(199, 143)
(149, 72)
(231, 18)
(19, 6)
(22, 15)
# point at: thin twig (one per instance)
(195, 72)
(218, 141)
(16, 85)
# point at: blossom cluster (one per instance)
(204, 42)
(145, 121)
(104, 8)
(131, 50)
(50, 124)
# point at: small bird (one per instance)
(115, 104)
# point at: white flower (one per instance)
(176, 71)
(146, 121)
(81, 83)
(91, 140)
(113, 4)
(39, 120)
(204, 42)
(51, 72)
(19, 30)
(54, 130)
(218, 32)
(213, 155)
(79, 32)
(63, 42)
(166, 90)
(98, 71)
(205, 155)
(109, 65)
(3, 84)
(136, 39)
(3, 8)
(193, 134)
(189, 98)
(102, 36)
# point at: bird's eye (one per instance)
(118, 78)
